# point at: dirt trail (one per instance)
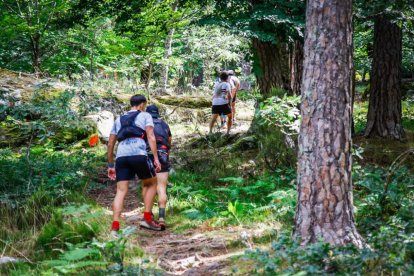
(200, 251)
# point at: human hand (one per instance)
(157, 165)
(111, 173)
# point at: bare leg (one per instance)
(213, 120)
(233, 110)
(162, 189)
(151, 189)
(229, 122)
(118, 204)
(144, 191)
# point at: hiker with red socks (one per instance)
(131, 130)
(163, 136)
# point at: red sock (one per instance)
(148, 216)
(115, 225)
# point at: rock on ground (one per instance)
(104, 121)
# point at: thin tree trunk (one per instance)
(384, 111)
(36, 55)
(296, 67)
(167, 53)
(273, 69)
(325, 203)
(148, 80)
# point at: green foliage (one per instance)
(278, 120)
(90, 256)
(282, 113)
(384, 218)
(360, 116)
(234, 200)
(41, 119)
(206, 50)
(69, 225)
(270, 20)
(29, 24)
(57, 172)
(361, 110)
(288, 257)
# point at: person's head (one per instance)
(224, 76)
(138, 102)
(230, 72)
(153, 110)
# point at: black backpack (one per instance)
(128, 127)
(162, 134)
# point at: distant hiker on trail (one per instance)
(235, 83)
(222, 116)
(131, 130)
(163, 137)
(221, 101)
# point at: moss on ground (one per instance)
(185, 101)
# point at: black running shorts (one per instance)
(221, 109)
(127, 167)
(164, 158)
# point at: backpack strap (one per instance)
(128, 127)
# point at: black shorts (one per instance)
(221, 109)
(128, 167)
(164, 158)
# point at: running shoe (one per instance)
(161, 222)
(150, 225)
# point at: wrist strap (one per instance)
(110, 166)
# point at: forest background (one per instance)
(67, 67)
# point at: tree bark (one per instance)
(273, 69)
(325, 203)
(384, 110)
(36, 55)
(296, 67)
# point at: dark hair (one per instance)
(136, 100)
(224, 76)
(153, 110)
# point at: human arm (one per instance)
(237, 84)
(110, 156)
(229, 93)
(153, 145)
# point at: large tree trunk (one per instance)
(296, 67)
(273, 71)
(36, 55)
(324, 203)
(384, 111)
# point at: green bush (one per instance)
(277, 121)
